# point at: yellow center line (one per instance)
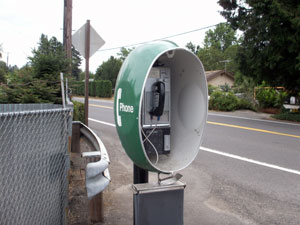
(226, 125)
(101, 106)
(253, 129)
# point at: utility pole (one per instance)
(225, 61)
(67, 32)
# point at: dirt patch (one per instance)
(78, 202)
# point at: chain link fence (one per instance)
(34, 163)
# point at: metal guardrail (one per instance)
(97, 173)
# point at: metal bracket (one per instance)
(169, 180)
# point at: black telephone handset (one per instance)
(158, 89)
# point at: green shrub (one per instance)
(78, 114)
(270, 97)
(291, 116)
(223, 101)
(211, 89)
(225, 88)
(244, 103)
(243, 84)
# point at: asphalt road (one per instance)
(247, 171)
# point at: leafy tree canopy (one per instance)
(76, 62)
(1, 50)
(220, 45)
(48, 59)
(270, 49)
(221, 38)
(3, 72)
(109, 70)
(124, 52)
(39, 80)
(82, 75)
(193, 48)
(13, 68)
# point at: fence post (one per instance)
(75, 146)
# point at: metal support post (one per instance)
(139, 175)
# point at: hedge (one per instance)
(101, 88)
(77, 87)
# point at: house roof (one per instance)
(215, 73)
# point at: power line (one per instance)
(144, 42)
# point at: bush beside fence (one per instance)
(78, 111)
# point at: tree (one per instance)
(193, 48)
(211, 58)
(270, 49)
(39, 80)
(124, 52)
(21, 87)
(13, 68)
(82, 75)
(221, 38)
(47, 62)
(49, 58)
(3, 72)
(220, 44)
(1, 50)
(76, 62)
(109, 70)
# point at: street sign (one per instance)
(78, 40)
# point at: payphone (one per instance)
(156, 123)
(160, 114)
(161, 106)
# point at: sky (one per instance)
(118, 22)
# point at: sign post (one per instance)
(87, 72)
(87, 41)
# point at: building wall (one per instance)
(221, 80)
